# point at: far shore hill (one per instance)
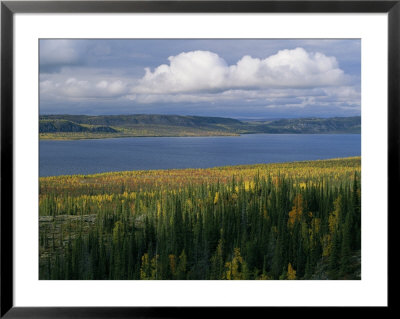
(69, 127)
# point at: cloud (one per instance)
(198, 71)
(73, 88)
(196, 81)
(55, 54)
(240, 98)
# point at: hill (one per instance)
(334, 125)
(60, 125)
(85, 126)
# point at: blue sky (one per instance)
(251, 79)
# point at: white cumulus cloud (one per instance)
(198, 71)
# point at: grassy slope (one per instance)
(111, 182)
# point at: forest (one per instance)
(298, 220)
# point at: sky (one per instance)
(238, 78)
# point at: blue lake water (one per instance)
(144, 153)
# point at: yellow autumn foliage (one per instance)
(237, 268)
(216, 198)
(291, 273)
(297, 210)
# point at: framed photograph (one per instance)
(164, 155)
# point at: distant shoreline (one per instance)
(77, 127)
(94, 137)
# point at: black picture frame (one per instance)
(9, 8)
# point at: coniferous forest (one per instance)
(299, 220)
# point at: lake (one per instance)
(144, 153)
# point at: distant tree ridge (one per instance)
(85, 126)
